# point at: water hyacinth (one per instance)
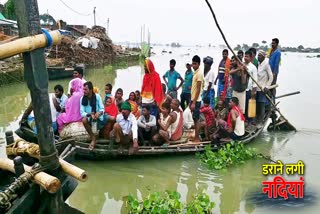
(230, 154)
(169, 202)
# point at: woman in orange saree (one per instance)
(134, 106)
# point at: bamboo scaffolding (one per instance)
(27, 44)
(46, 181)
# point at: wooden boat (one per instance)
(60, 72)
(106, 150)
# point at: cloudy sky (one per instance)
(294, 22)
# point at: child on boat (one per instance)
(208, 124)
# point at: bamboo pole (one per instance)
(46, 181)
(28, 44)
(229, 47)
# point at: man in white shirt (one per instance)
(251, 88)
(125, 130)
(77, 73)
(265, 78)
(208, 90)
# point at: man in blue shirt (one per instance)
(91, 110)
(172, 76)
(274, 61)
(186, 88)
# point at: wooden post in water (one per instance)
(37, 79)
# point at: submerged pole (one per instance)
(35, 72)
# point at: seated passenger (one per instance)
(221, 111)
(110, 113)
(91, 110)
(234, 127)
(72, 107)
(61, 99)
(171, 124)
(125, 130)
(147, 125)
(28, 117)
(138, 98)
(209, 124)
(118, 97)
(134, 106)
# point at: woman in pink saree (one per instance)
(72, 107)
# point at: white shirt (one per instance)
(53, 110)
(207, 79)
(69, 86)
(265, 76)
(254, 73)
(187, 118)
(130, 124)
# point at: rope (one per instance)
(48, 36)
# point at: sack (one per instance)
(76, 131)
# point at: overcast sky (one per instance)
(294, 22)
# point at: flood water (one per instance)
(236, 190)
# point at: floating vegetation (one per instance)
(169, 202)
(231, 154)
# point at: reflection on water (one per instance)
(111, 182)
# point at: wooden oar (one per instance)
(259, 86)
(289, 94)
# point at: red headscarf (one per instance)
(111, 110)
(229, 115)
(151, 86)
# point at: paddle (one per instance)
(229, 47)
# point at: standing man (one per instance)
(240, 55)
(147, 125)
(172, 76)
(265, 78)
(274, 61)
(186, 87)
(254, 59)
(224, 67)
(252, 88)
(91, 110)
(196, 89)
(77, 73)
(240, 82)
(208, 90)
(60, 99)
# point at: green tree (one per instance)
(9, 11)
(264, 42)
(300, 47)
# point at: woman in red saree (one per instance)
(151, 91)
(111, 111)
(134, 106)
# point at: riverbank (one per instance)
(95, 49)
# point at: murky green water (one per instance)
(111, 181)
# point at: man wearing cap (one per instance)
(265, 78)
(208, 90)
(172, 76)
(77, 73)
(125, 130)
(186, 87)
